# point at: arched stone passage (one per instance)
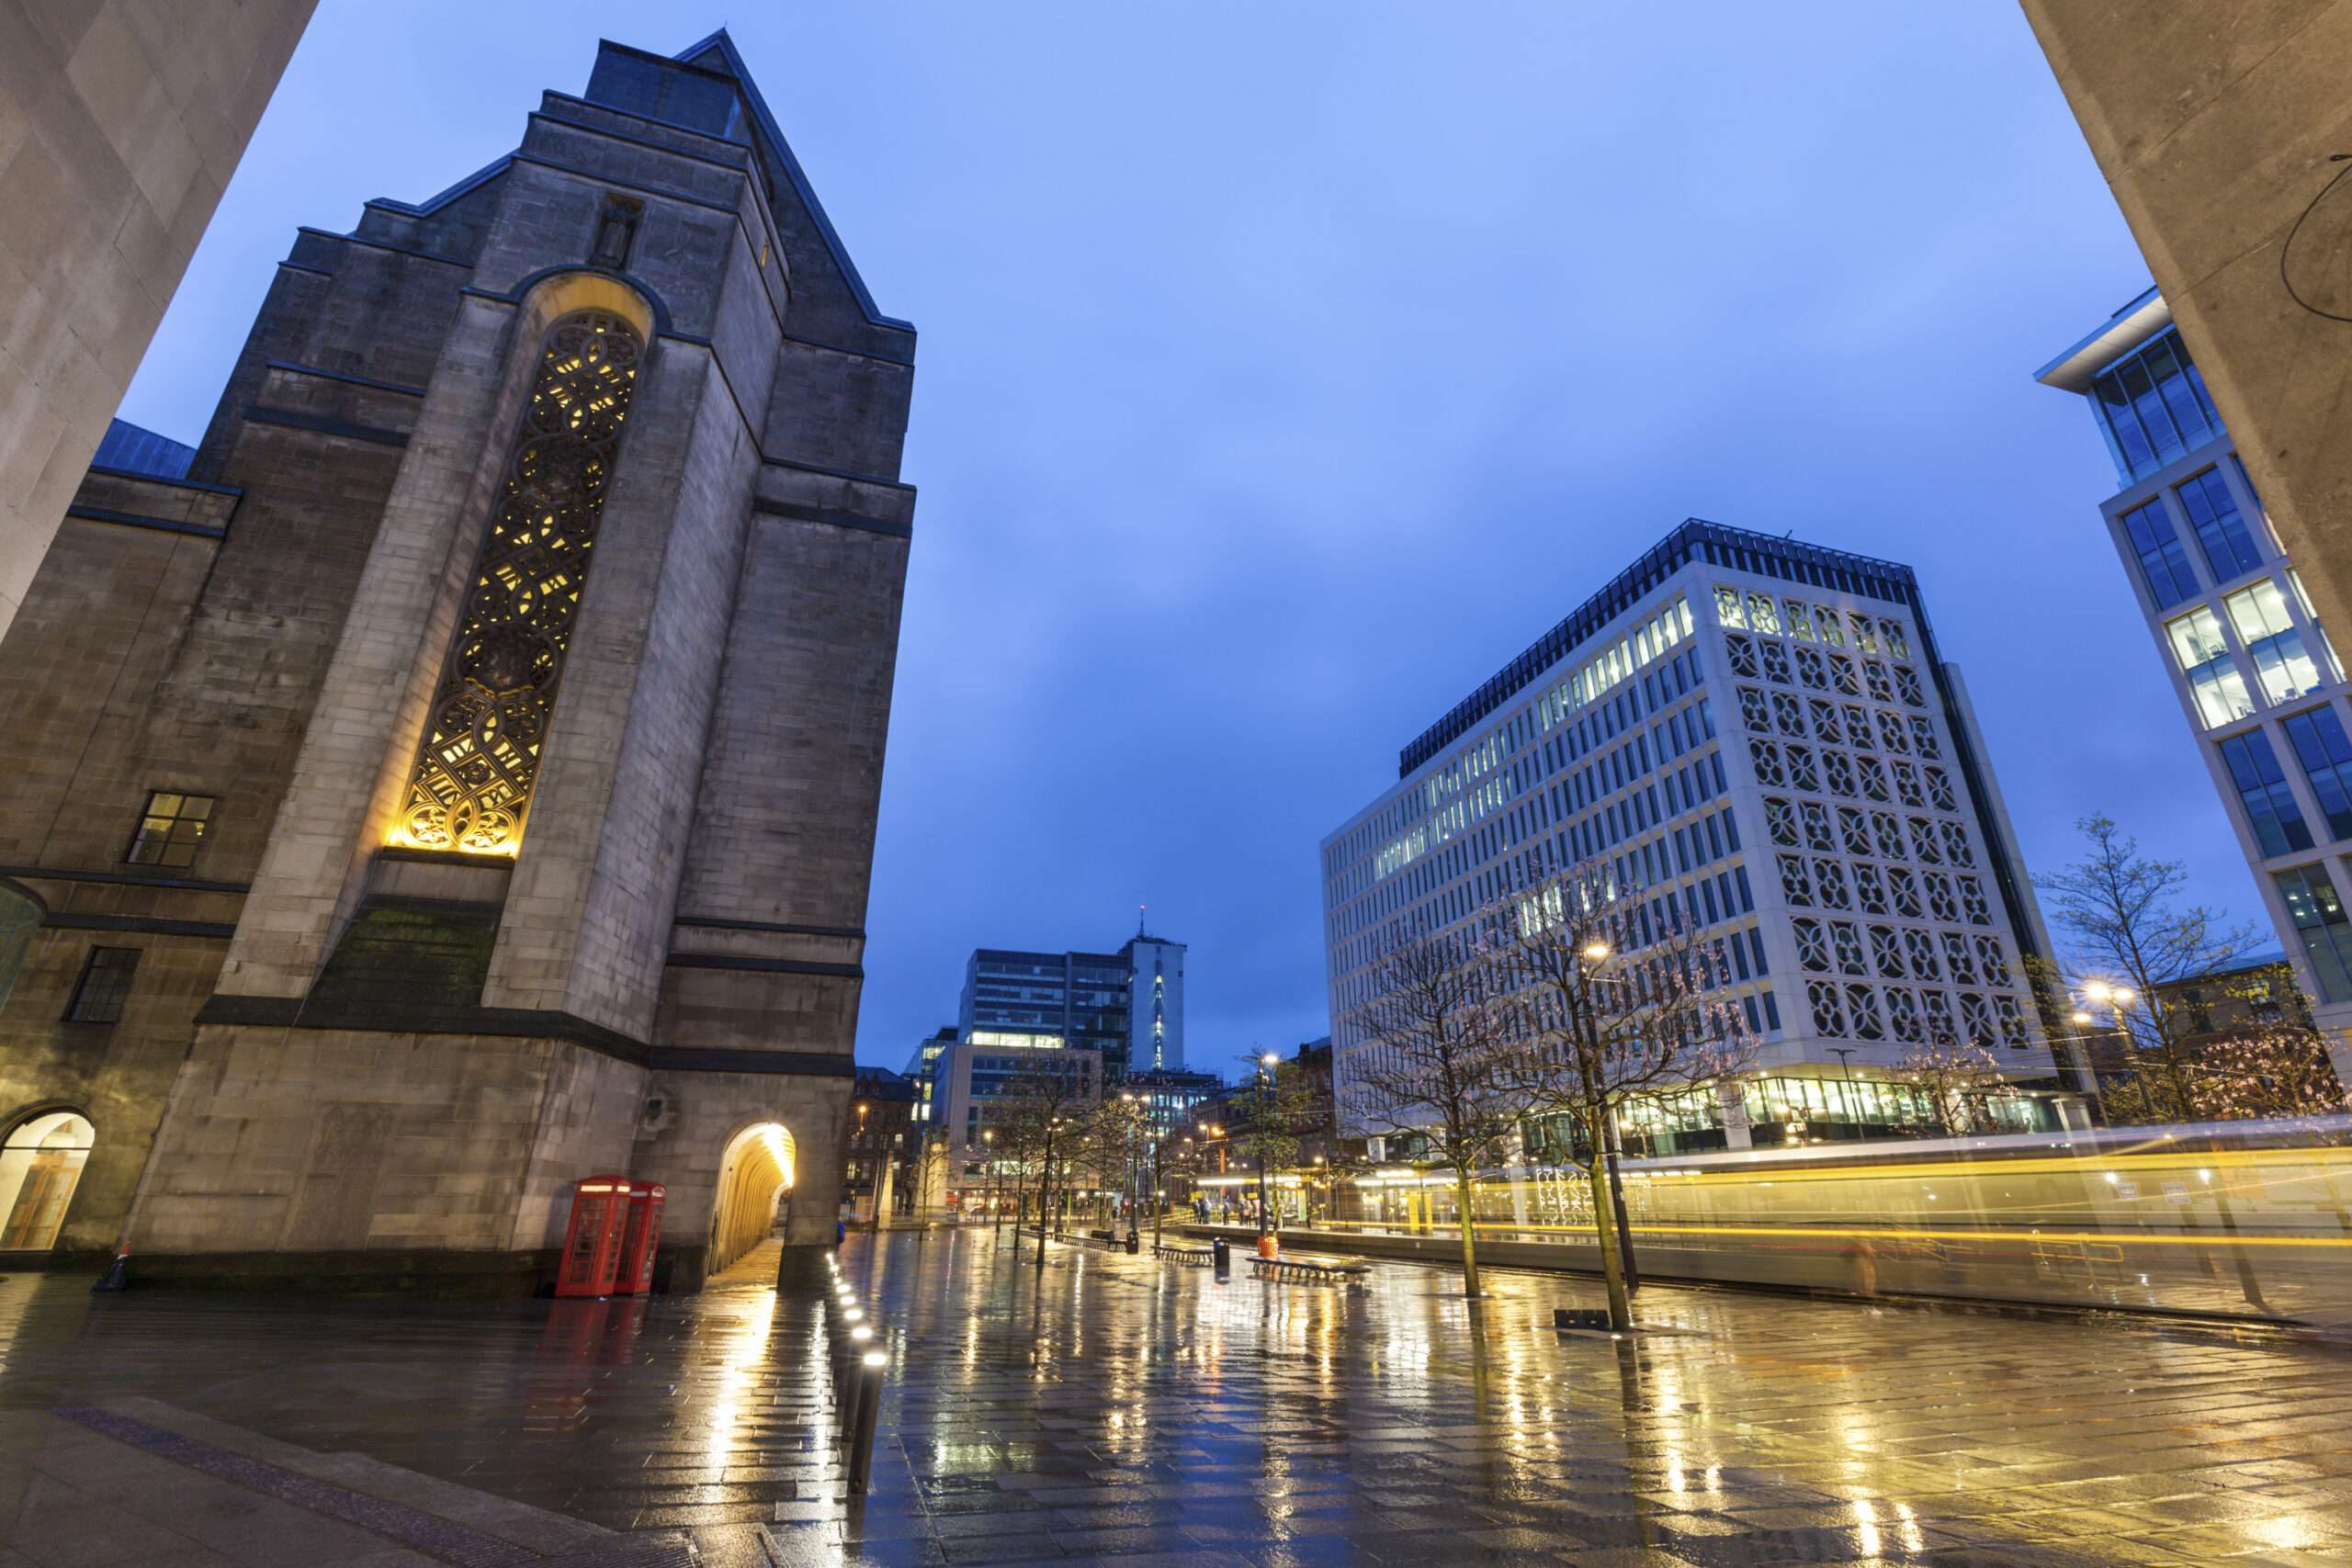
(760, 1164)
(40, 1163)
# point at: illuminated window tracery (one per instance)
(473, 779)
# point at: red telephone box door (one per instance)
(638, 1239)
(592, 1243)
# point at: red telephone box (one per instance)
(592, 1243)
(638, 1239)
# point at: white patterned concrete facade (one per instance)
(1756, 738)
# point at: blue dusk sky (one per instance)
(1285, 369)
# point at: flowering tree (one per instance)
(1609, 998)
(1955, 1079)
(2278, 1071)
(1434, 1059)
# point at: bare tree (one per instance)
(2133, 937)
(1956, 1078)
(1269, 1111)
(1613, 1000)
(1037, 1123)
(1433, 1058)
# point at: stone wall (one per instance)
(398, 1063)
(2214, 126)
(120, 122)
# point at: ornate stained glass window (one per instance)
(472, 784)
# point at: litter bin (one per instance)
(1135, 1242)
(1222, 1256)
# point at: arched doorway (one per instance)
(39, 1164)
(759, 1165)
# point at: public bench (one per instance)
(1298, 1271)
(1190, 1257)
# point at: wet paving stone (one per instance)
(1123, 1411)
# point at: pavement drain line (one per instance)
(436, 1537)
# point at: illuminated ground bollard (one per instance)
(859, 1343)
(869, 1411)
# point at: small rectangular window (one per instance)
(171, 830)
(103, 986)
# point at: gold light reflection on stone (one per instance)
(742, 1360)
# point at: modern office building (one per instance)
(1761, 734)
(920, 1069)
(2257, 677)
(1127, 1005)
(976, 1076)
(1170, 1096)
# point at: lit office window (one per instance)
(171, 830)
(2325, 753)
(1763, 615)
(2221, 529)
(2319, 921)
(2272, 641)
(2204, 657)
(2319, 633)
(2164, 565)
(2270, 809)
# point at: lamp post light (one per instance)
(996, 1180)
(1265, 1113)
(2114, 999)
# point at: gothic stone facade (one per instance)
(527, 613)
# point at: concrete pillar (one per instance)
(1733, 1100)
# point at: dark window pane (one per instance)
(2269, 804)
(2319, 919)
(105, 985)
(2220, 530)
(2326, 752)
(2164, 565)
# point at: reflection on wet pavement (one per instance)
(1124, 1409)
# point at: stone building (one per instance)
(120, 122)
(461, 779)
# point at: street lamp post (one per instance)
(2114, 998)
(1265, 1114)
(996, 1181)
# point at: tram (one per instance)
(2244, 1220)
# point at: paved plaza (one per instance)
(1137, 1411)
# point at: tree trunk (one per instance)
(1604, 1221)
(1469, 1233)
(1020, 1208)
